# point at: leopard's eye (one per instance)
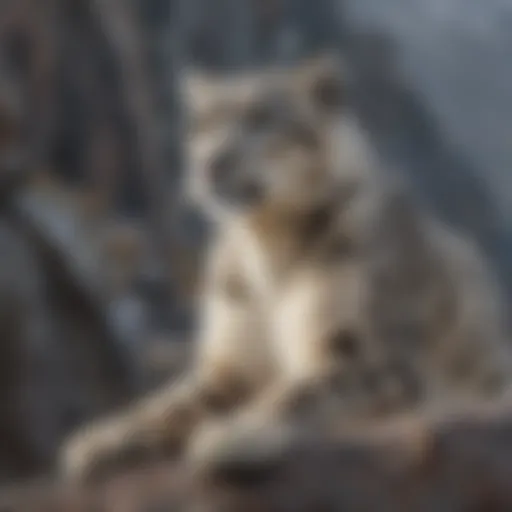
(258, 117)
(346, 344)
(303, 135)
(328, 92)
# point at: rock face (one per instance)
(459, 463)
(61, 360)
(438, 98)
(454, 463)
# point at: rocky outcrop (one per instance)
(460, 463)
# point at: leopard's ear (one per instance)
(322, 79)
(204, 90)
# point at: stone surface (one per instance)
(438, 86)
(457, 463)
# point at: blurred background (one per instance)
(98, 249)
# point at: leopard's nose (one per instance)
(251, 191)
(223, 166)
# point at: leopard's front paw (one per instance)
(99, 450)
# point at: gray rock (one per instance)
(435, 83)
